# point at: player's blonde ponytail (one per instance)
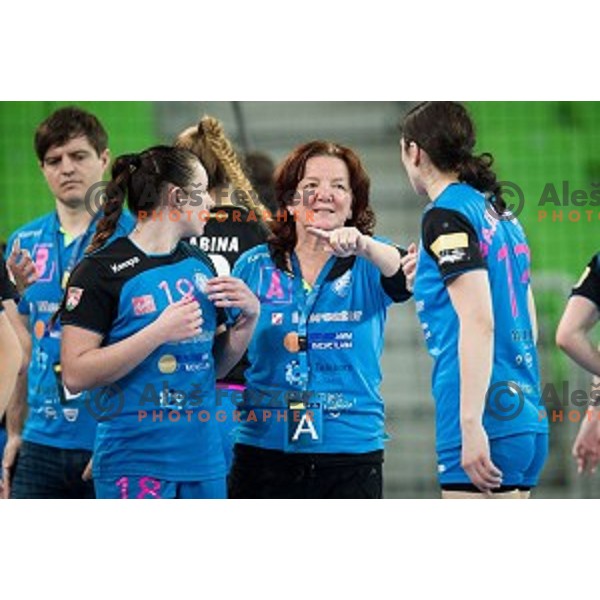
(215, 151)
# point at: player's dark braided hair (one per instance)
(446, 132)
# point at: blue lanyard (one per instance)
(305, 303)
(80, 244)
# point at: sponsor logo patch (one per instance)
(143, 305)
(167, 364)
(341, 286)
(449, 257)
(448, 242)
(74, 295)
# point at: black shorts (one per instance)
(259, 473)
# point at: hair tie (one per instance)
(135, 162)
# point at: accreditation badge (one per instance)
(304, 422)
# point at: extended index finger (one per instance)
(320, 233)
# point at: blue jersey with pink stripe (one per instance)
(462, 232)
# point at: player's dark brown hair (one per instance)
(140, 179)
(447, 133)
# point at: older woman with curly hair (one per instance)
(312, 419)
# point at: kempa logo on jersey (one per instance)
(553, 202)
(118, 267)
(505, 401)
